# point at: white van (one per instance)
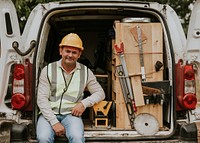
(171, 64)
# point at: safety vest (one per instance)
(64, 94)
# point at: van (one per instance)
(138, 53)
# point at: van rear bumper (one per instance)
(19, 133)
(189, 132)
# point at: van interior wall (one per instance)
(95, 37)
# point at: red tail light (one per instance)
(21, 91)
(18, 98)
(188, 72)
(19, 72)
(185, 86)
(18, 101)
(189, 101)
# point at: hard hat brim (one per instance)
(61, 45)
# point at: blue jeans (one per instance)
(73, 126)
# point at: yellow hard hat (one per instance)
(72, 40)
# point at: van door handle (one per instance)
(15, 45)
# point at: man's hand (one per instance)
(78, 109)
(59, 129)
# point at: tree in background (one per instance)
(24, 8)
(182, 8)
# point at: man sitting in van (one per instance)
(60, 94)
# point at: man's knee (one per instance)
(45, 138)
(76, 138)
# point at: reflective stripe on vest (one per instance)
(68, 91)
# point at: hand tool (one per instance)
(130, 105)
(139, 32)
(120, 51)
(125, 83)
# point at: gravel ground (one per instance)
(4, 135)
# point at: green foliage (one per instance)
(182, 8)
(24, 8)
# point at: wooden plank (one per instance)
(153, 51)
(132, 62)
(153, 109)
(122, 120)
(156, 50)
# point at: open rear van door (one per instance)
(193, 54)
(9, 32)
